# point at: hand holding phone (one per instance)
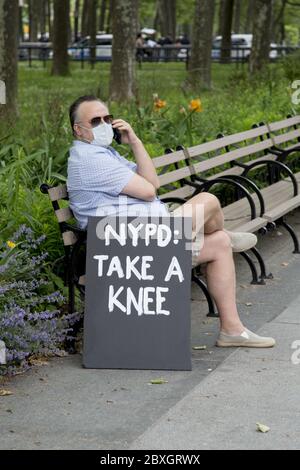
(117, 136)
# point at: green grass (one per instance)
(233, 104)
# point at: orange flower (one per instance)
(158, 103)
(196, 105)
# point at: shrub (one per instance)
(31, 320)
(291, 66)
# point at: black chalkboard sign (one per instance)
(137, 307)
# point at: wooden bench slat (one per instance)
(282, 209)
(251, 226)
(175, 175)
(237, 170)
(289, 122)
(184, 192)
(232, 155)
(63, 214)
(168, 159)
(227, 140)
(59, 192)
(69, 238)
(290, 147)
(281, 138)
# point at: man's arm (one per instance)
(145, 167)
(140, 188)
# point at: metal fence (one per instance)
(92, 54)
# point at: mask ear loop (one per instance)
(80, 138)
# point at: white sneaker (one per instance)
(242, 241)
(247, 339)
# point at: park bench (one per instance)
(186, 172)
(232, 159)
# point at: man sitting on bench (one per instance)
(99, 179)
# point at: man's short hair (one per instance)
(74, 107)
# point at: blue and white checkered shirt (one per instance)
(96, 177)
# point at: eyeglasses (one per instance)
(96, 121)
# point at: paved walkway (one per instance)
(250, 386)
(216, 405)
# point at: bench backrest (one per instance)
(217, 154)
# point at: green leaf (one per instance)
(158, 381)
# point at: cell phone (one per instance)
(117, 136)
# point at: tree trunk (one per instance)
(226, 31)
(92, 27)
(43, 7)
(200, 62)
(34, 12)
(221, 15)
(249, 17)
(166, 18)
(278, 29)
(48, 18)
(21, 31)
(60, 37)
(9, 26)
(237, 17)
(109, 17)
(124, 29)
(84, 19)
(259, 56)
(76, 20)
(102, 15)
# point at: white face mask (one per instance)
(103, 134)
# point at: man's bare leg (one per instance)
(213, 215)
(220, 273)
(221, 280)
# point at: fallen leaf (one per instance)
(284, 264)
(262, 427)
(158, 381)
(199, 348)
(4, 393)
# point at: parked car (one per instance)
(241, 47)
(81, 48)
